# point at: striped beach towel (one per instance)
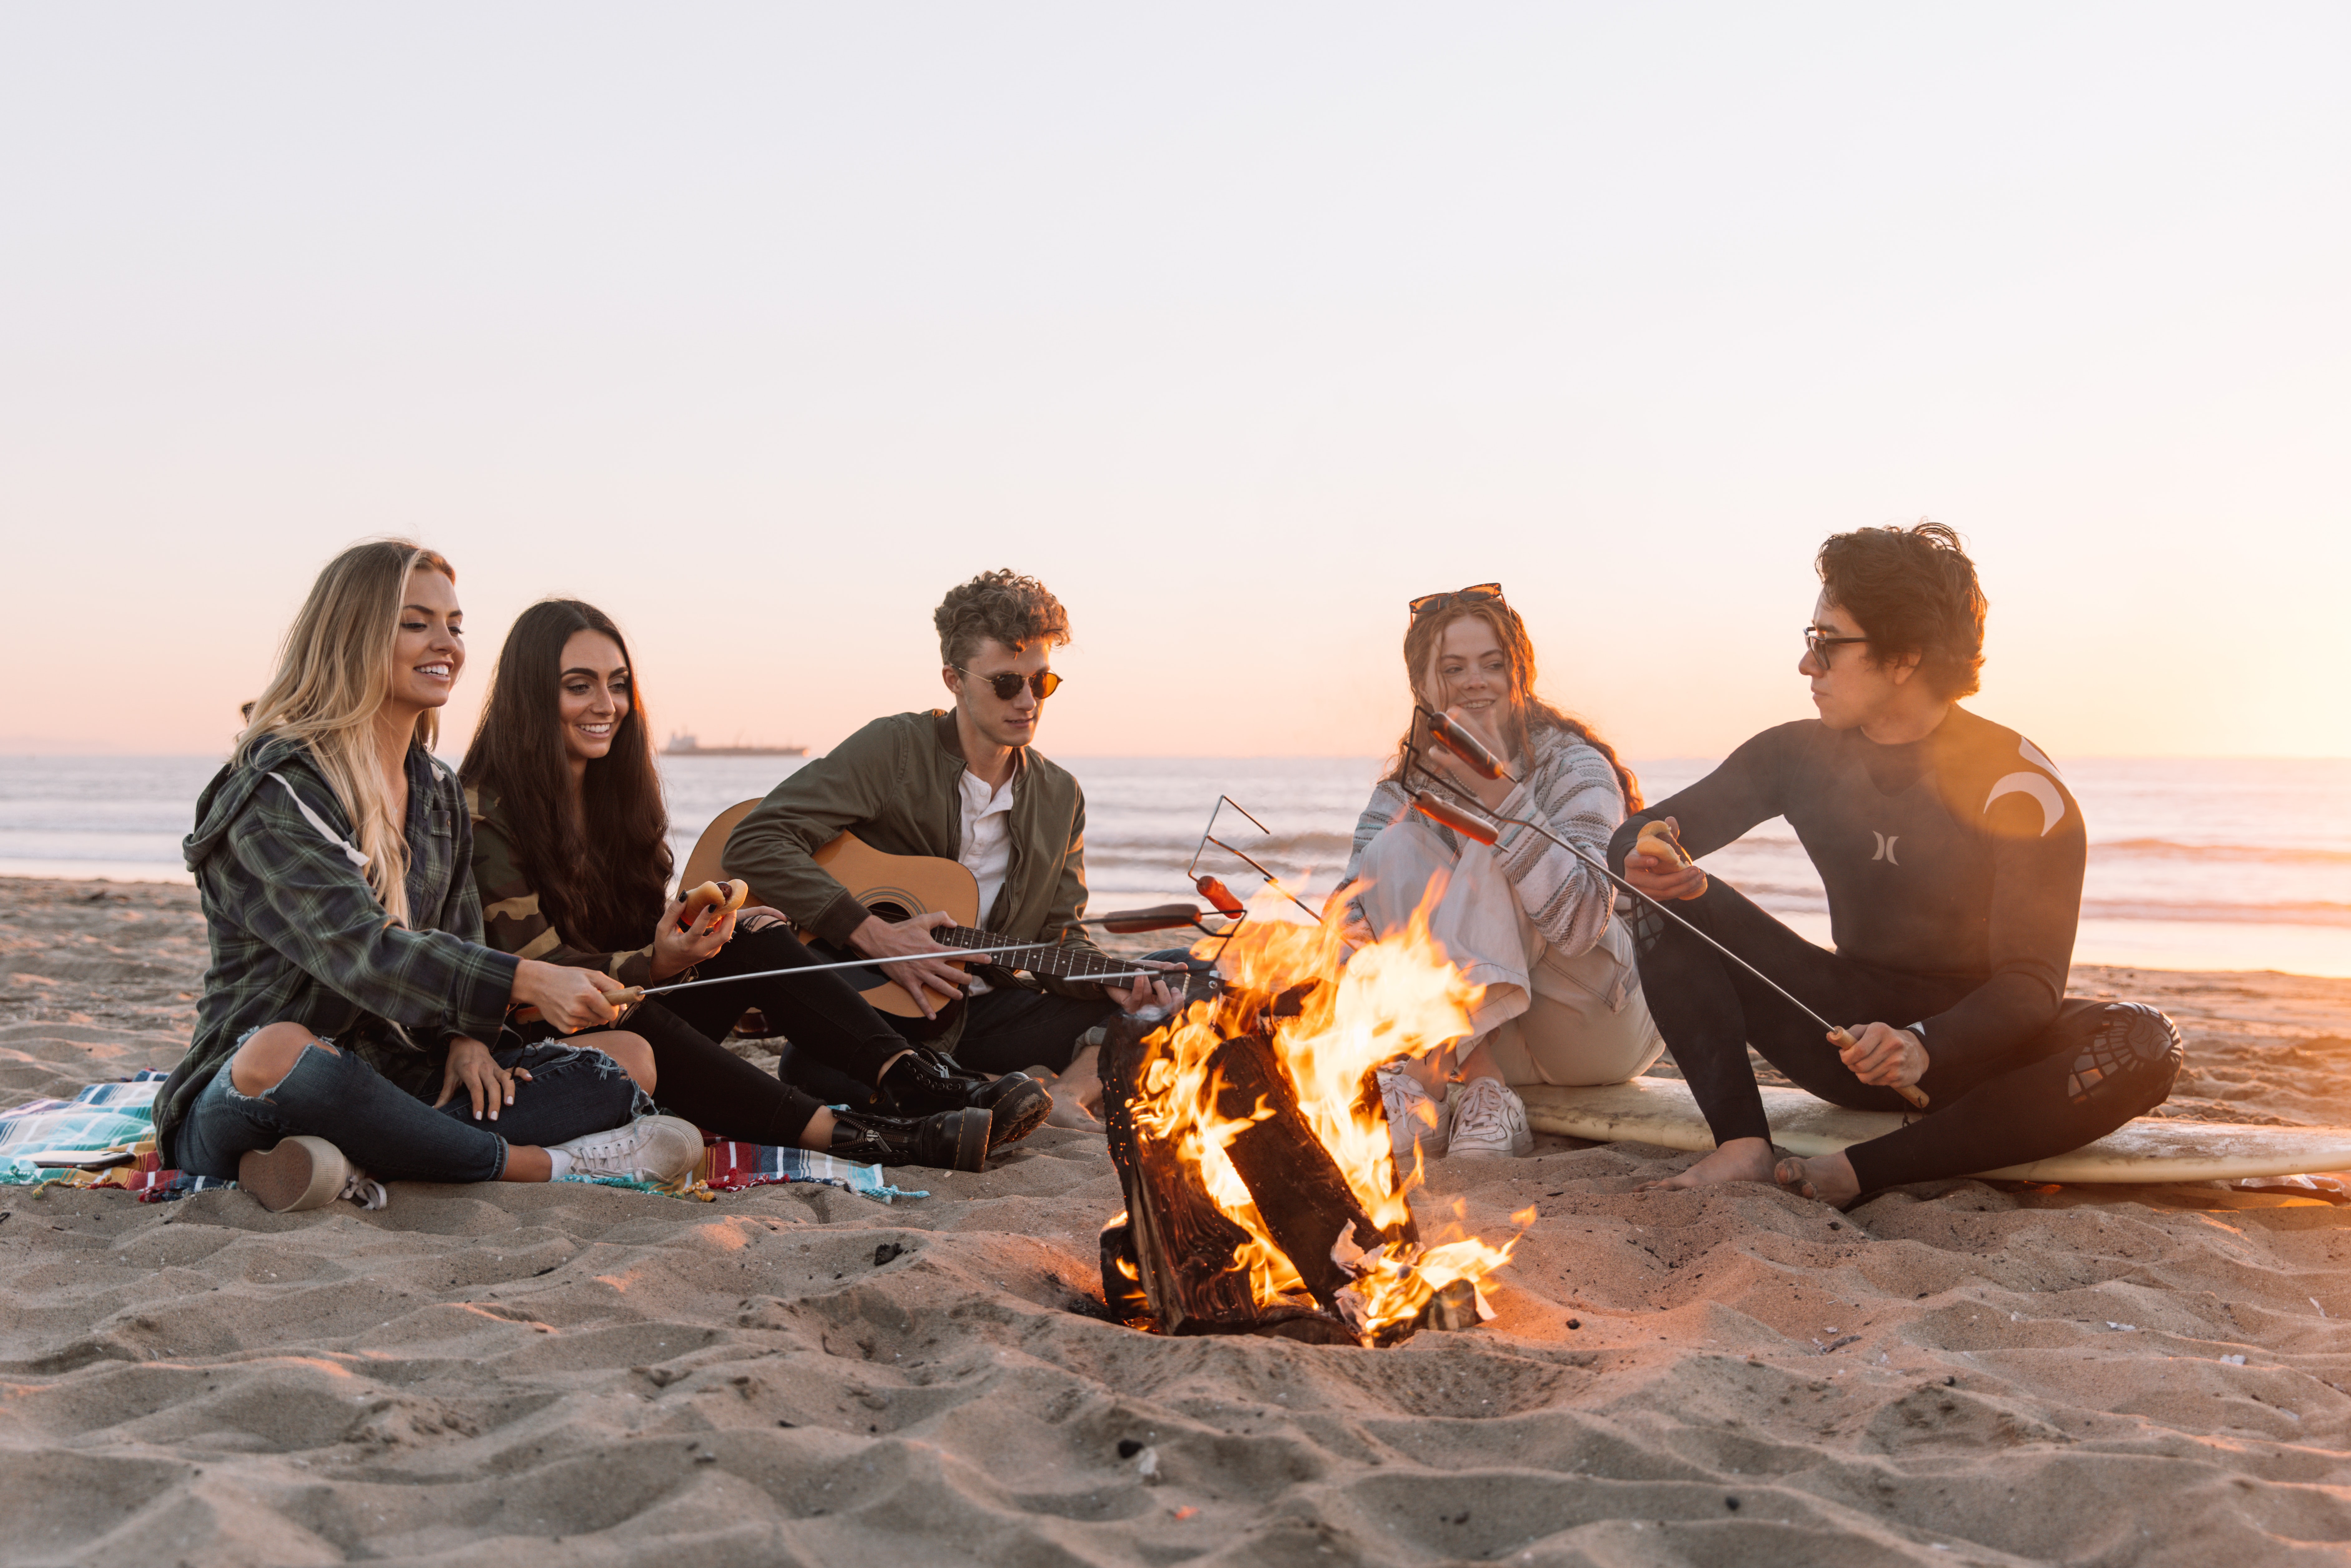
(119, 1118)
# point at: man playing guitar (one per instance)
(965, 784)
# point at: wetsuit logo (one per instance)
(1885, 847)
(2043, 793)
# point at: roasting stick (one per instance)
(1483, 829)
(632, 994)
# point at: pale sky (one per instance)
(761, 325)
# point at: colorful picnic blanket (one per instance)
(119, 1117)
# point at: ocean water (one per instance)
(2198, 864)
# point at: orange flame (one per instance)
(1397, 997)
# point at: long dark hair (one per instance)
(1529, 712)
(602, 882)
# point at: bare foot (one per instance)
(1829, 1179)
(1741, 1159)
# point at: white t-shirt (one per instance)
(986, 836)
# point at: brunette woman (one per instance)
(352, 1020)
(573, 860)
(1525, 919)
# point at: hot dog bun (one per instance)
(726, 896)
(1657, 839)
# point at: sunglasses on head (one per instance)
(1006, 684)
(1482, 593)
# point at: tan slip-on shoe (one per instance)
(301, 1173)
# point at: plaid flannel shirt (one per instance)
(297, 936)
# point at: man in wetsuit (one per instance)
(1952, 855)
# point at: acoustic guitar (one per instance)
(899, 887)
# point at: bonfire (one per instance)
(1262, 1191)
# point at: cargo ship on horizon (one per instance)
(683, 744)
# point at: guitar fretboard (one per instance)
(1060, 962)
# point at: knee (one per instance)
(269, 1054)
(635, 1055)
(2130, 1043)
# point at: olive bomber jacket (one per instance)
(897, 784)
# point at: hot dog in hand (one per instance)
(1657, 841)
(725, 896)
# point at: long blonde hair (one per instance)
(334, 674)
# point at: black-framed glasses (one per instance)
(1481, 593)
(1006, 684)
(1820, 646)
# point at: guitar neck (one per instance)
(1062, 962)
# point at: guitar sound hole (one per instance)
(893, 913)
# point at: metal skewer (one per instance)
(1480, 826)
(631, 995)
(637, 993)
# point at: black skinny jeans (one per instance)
(2095, 1068)
(830, 1026)
(1010, 1027)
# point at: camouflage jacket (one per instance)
(510, 909)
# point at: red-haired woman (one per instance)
(1525, 919)
(571, 857)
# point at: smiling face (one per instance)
(1000, 721)
(1472, 673)
(428, 649)
(591, 695)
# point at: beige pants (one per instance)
(1547, 1018)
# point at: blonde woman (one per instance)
(353, 1021)
(1524, 919)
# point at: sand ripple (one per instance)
(1950, 1374)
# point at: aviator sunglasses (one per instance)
(1480, 593)
(1006, 684)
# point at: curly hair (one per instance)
(1914, 591)
(1004, 605)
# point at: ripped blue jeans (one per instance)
(394, 1136)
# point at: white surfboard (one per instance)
(1660, 1111)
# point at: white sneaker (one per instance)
(663, 1150)
(1489, 1122)
(1413, 1117)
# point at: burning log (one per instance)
(1261, 1193)
(1174, 1256)
(1180, 1244)
(1299, 1190)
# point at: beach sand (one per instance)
(796, 1375)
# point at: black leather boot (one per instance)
(923, 1082)
(948, 1140)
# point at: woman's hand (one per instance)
(475, 1070)
(758, 917)
(570, 998)
(1888, 1057)
(1488, 793)
(679, 948)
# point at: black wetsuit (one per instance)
(1953, 867)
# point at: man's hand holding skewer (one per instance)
(1883, 1055)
